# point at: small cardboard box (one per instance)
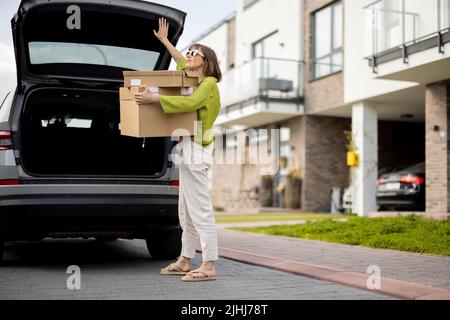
(149, 120)
(164, 78)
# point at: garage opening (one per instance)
(77, 132)
(401, 166)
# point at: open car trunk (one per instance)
(86, 44)
(76, 132)
(91, 39)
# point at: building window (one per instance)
(258, 136)
(285, 147)
(267, 47)
(231, 141)
(327, 40)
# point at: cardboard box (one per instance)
(164, 78)
(149, 120)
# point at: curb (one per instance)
(391, 287)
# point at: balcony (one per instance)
(262, 91)
(408, 39)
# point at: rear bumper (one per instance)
(401, 200)
(25, 214)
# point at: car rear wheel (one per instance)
(165, 244)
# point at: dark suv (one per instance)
(65, 169)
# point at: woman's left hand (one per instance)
(145, 97)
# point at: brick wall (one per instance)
(325, 161)
(437, 149)
(229, 180)
(327, 92)
(319, 151)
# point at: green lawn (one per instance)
(235, 218)
(409, 233)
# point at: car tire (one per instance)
(164, 244)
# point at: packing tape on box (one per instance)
(135, 82)
(187, 91)
(153, 90)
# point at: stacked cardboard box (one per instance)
(149, 120)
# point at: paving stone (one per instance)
(124, 270)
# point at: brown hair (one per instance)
(211, 67)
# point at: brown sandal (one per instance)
(173, 269)
(205, 277)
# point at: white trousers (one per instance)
(195, 208)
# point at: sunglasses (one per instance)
(194, 53)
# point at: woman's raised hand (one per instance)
(162, 35)
(163, 30)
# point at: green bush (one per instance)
(409, 233)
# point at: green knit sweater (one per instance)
(205, 99)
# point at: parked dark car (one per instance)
(65, 169)
(402, 189)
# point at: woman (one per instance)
(195, 207)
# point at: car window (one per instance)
(417, 167)
(79, 53)
(67, 122)
(6, 97)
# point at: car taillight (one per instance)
(9, 182)
(175, 183)
(380, 181)
(412, 179)
(5, 140)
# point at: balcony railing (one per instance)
(262, 78)
(393, 24)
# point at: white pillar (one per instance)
(364, 176)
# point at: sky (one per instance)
(201, 15)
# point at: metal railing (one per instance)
(262, 77)
(391, 24)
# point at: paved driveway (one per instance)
(124, 270)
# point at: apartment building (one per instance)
(397, 68)
(318, 69)
(261, 89)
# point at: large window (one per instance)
(327, 40)
(267, 47)
(285, 146)
(390, 24)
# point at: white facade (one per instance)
(394, 86)
(268, 54)
(283, 19)
(365, 175)
(269, 44)
(359, 81)
(217, 39)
